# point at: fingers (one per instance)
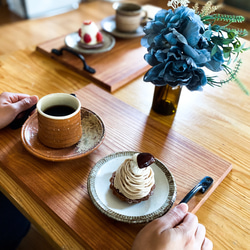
(173, 217)
(155, 235)
(202, 241)
(15, 97)
(200, 233)
(17, 102)
(189, 224)
(177, 229)
(25, 103)
(12, 97)
(194, 233)
(207, 244)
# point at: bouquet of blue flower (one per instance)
(182, 42)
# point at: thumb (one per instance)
(175, 216)
(25, 103)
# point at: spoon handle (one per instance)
(202, 186)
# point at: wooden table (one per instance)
(216, 119)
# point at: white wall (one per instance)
(36, 9)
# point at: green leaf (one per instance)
(226, 52)
(226, 55)
(231, 34)
(214, 50)
(207, 34)
(221, 40)
(242, 86)
(216, 28)
(238, 48)
(245, 49)
(227, 49)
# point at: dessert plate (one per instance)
(103, 198)
(72, 40)
(92, 137)
(108, 24)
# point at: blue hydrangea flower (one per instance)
(177, 49)
(177, 69)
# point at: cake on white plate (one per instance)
(134, 180)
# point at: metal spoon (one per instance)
(202, 187)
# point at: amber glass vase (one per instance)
(166, 99)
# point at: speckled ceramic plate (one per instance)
(72, 40)
(108, 24)
(93, 135)
(158, 204)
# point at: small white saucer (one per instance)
(108, 24)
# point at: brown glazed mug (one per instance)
(129, 16)
(59, 120)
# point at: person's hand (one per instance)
(12, 105)
(176, 230)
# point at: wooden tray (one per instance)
(114, 68)
(61, 188)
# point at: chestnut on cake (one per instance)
(134, 180)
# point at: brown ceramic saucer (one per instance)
(93, 135)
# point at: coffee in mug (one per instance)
(59, 120)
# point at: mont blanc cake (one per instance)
(134, 180)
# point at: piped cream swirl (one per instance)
(134, 182)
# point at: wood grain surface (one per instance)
(114, 68)
(20, 35)
(60, 188)
(217, 119)
(25, 71)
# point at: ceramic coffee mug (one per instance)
(129, 16)
(59, 120)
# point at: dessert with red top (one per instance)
(90, 35)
